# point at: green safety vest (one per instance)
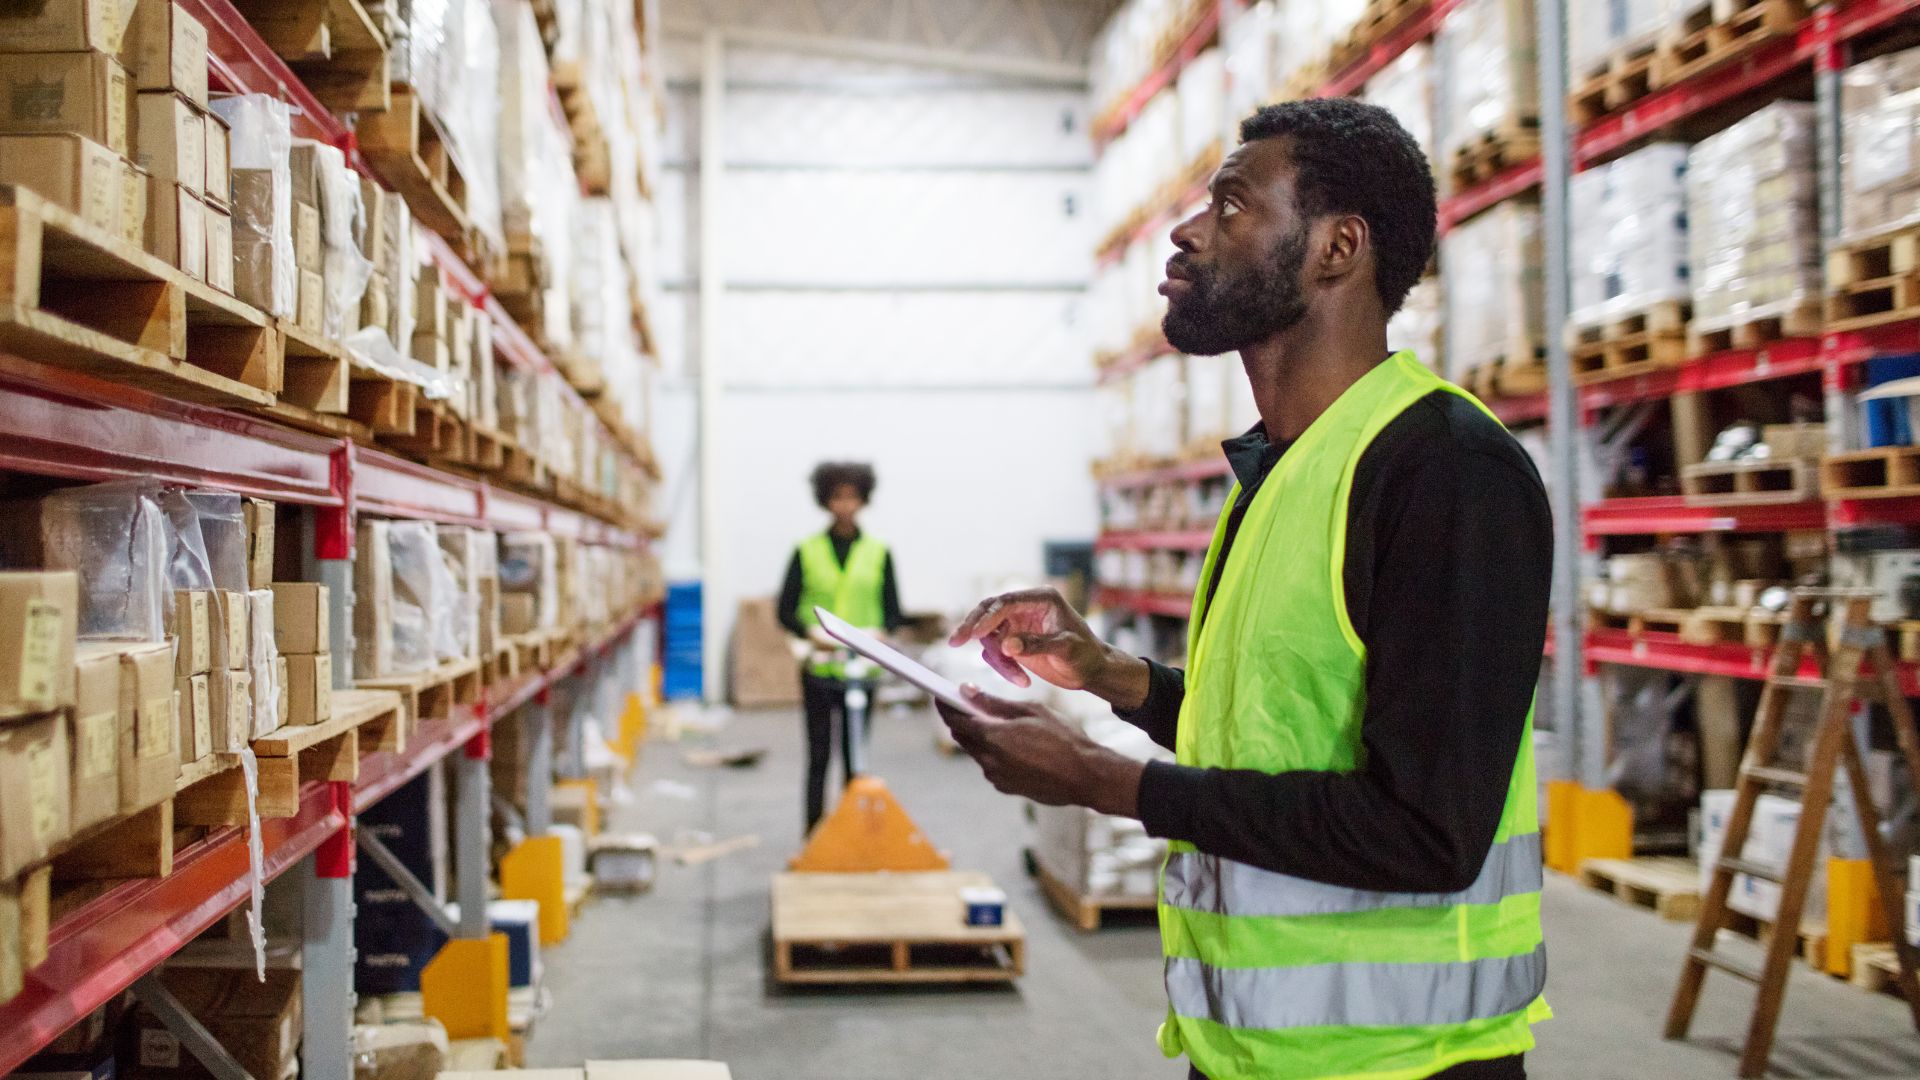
(851, 591)
(1270, 975)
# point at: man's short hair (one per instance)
(1355, 158)
(830, 476)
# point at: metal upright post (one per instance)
(472, 836)
(713, 113)
(1843, 419)
(1563, 418)
(540, 763)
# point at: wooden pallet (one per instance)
(1802, 319)
(1669, 886)
(1515, 141)
(1876, 968)
(1631, 344)
(1655, 620)
(212, 791)
(434, 694)
(405, 143)
(1379, 20)
(1082, 910)
(26, 917)
(1722, 33)
(1811, 947)
(1874, 281)
(1756, 628)
(82, 298)
(1624, 78)
(1883, 472)
(315, 371)
(1750, 483)
(333, 45)
(888, 928)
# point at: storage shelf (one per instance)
(1143, 602)
(1204, 469)
(1519, 410)
(1155, 540)
(1655, 649)
(1134, 359)
(1416, 29)
(1497, 189)
(99, 949)
(1203, 32)
(1671, 514)
(1718, 371)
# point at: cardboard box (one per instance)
(227, 631)
(307, 252)
(95, 737)
(254, 213)
(218, 225)
(196, 716)
(78, 92)
(218, 186)
(374, 304)
(39, 617)
(518, 614)
(149, 728)
(257, 1022)
(170, 139)
(193, 630)
(176, 227)
(309, 689)
(372, 602)
(283, 701)
(764, 671)
(133, 204)
(230, 712)
(166, 48)
(263, 663)
(300, 617)
(34, 768)
(260, 542)
(71, 170)
(311, 314)
(65, 26)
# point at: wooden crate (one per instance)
(82, 298)
(1668, 886)
(1082, 910)
(1749, 483)
(1881, 473)
(1630, 344)
(1874, 281)
(888, 928)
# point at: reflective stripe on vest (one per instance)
(1357, 995)
(1199, 882)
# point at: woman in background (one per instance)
(850, 574)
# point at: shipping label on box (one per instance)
(34, 768)
(227, 631)
(149, 728)
(311, 314)
(193, 630)
(219, 230)
(300, 622)
(72, 170)
(307, 253)
(196, 719)
(309, 689)
(167, 49)
(65, 26)
(219, 178)
(95, 742)
(133, 204)
(170, 139)
(230, 717)
(82, 93)
(39, 616)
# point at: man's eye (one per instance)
(1226, 208)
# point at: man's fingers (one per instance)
(964, 632)
(997, 659)
(1038, 644)
(999, 708)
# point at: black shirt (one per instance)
(1447, 575)
(789, 610)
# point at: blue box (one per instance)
(393, 938)
(1887, 423)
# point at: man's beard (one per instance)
(1223, 314)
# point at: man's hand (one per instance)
(1036, 631)
(1026, 750)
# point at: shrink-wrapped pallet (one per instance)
(1880, 145)
(1160, 408)
(1208, 389)
(1597, 32)
(1416, 326)
(1489, 86)
(1202, 94)
(1630, 237)
(1491, 271)
(1754, 236)
(1405, 89)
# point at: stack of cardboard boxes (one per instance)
(303, 634)
(106, 114)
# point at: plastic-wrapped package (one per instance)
(1405, 89)
(188, 564)
(1202, 94)
(1114, 402)
(1490, 83)
(1630, 240)
(420, 611)
(1160, 407)
(1495, 299)
(1207, 378)
(1880, 144)
(1248, 45)
(115, 536)
(1417, 325)
(1754, 236)
(342, 219)
(478, 116)
(222, 529)
(529, 564)
(1598, 31)
(263, 664)
(259, 140)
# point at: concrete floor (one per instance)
(682, 971)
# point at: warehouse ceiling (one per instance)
(1046, 31)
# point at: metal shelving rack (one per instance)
(65, 425)
(1814, 55)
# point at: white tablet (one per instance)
(941, 687)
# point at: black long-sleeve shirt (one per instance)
(1447, 575)
(789, 610)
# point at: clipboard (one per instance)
(942, 688)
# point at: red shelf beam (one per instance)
(241, 62)
(1159, 540)
(1671, 514)
(1519, 410)
(1206, 469)
(1162, 217)
(1134, 359)
(1718, 371)
(1202, 34)
(1668, 653)
(1416, 29)
(1146, 603)
(1515, 181)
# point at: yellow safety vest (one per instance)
(852, 592)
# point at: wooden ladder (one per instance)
(1841, 686)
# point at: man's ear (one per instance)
(1345, 244)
